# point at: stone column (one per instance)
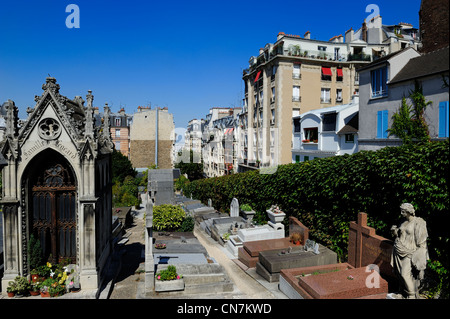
(11, 235)
(149, 261)
(88, 272)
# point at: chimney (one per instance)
(280, 35)
(349, 34)
(307, 35)
(341, 38)
(364, 31)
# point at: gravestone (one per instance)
(364, 275)
(249, 253)
(160, 186)
(365, 247)
(234, 208)
(273, 261)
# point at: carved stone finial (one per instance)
(50, 84)
(89, 120)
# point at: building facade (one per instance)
(326, 132)
(385, 82)
(120, 131)
(152, 138)
(295, 75)
(57, 186)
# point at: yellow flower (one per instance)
(49, 265)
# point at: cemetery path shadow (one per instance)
(131, 259)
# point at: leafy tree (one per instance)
(193, 170)
(409, 122)
(121, 167)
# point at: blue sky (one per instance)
(186, 55)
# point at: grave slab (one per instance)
(273, 261)
(249, 253)
(342, 284)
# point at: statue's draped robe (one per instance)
(410, 254)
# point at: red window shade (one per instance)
(257, 76)
(339, 72)
(326, 71)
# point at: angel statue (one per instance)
(410, 253)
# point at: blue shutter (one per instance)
(385, 124)
(443, 119)
(380, 124)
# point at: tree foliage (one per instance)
(409, 122)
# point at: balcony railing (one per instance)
(359, 57)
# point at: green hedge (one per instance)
(326, 194)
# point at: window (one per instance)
(311, 135)
(305, 158)
(296, 93)
(296, 71)
(379, 82)
(118, 132)
(443, 119)
(325, 96)
(321, 48)
(274, 72)
(117, 144)
(339, 75)
(338, 95)
(349, 138)
(118, 121)
(326, 74)
(329, 122)
(273, 95)
(382, 124)
(297, 125)
(297, 158)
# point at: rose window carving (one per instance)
(49, 129)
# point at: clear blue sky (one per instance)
(186, 55)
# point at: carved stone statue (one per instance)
(410, 253)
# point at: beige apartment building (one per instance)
(120, 131)
(297, 74)
(152, 138)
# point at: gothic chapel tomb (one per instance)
(57, 185)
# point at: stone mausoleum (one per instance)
(57, 185)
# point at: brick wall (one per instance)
(434, 24)
(142, 153)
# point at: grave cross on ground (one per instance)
(356, 233)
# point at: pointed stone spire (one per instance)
(89, 120)
(11, 119)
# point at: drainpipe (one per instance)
(156, 137)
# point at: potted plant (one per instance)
(169, 280)
(247, 211)
(11, 289)
(21, 286)
(276, 215)
(45, 286)
(34, 288)
(295, 238)
(160, 246)
(34, 275)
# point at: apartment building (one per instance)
(193, 135)
(152, 138)
(326, 132)
(120, 131)
(219, 141)
(298, 74)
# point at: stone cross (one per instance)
(234, 208)
(355, 242)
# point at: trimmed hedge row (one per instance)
(326, 194)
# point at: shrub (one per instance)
(168, 217)
(187, 225)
